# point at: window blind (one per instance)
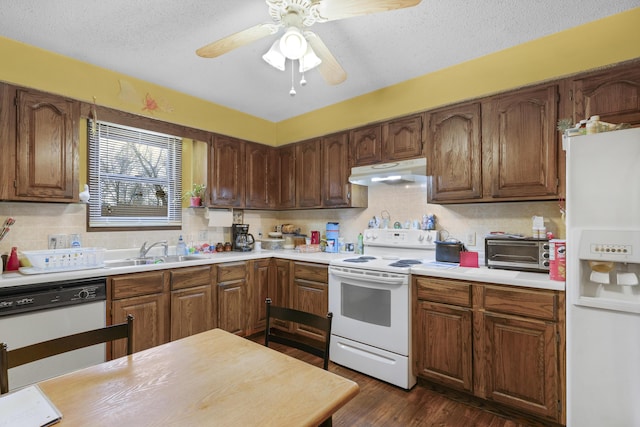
(135, 177)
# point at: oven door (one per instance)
(371, 307)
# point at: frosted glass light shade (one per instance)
(293, 44)
(274, 57)
(309, 60)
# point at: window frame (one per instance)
(172, 222)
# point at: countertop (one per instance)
(482, 274)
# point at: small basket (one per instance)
(66, 259)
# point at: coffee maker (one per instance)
(242, 240)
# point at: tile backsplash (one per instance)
(36, 221)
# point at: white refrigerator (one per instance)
(602, 291)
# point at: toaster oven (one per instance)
(524, 254)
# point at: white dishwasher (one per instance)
(40, 312)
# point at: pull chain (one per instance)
(292, 92)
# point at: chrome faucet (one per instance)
(144, 249)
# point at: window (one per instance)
(135, 178)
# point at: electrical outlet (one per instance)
(203, 236)
(57, 241)
(471, 238)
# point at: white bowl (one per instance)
(275, 234)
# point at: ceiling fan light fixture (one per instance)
(309, 60)
(274, 57)
(293, 45)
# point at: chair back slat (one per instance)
(301, 317)
(21, 356)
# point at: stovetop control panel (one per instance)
(400, 238)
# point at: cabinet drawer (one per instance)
(522, 302)
(313, 272)
(231, 271)
(190, 276)
(136, 284)
(444, 291)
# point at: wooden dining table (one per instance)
(213, 378)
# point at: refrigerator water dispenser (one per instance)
(609, 269)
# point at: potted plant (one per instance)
(196, 194)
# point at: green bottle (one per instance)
(360, 245)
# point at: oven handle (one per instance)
(369, 278)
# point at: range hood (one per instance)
(414, 170)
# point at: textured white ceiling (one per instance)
(155, 40)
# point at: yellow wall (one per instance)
(39, 69)
(607, 41)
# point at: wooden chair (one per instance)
(31, 353)
(303, 317)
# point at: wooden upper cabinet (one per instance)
(397, 139)
(285, 175)
(402, 138)
(520, 143)
(335, 178)
(259, 185)
(365, 145)
(309, 174)
(454, 154)
(227, 167)
(614, 95)
(46, 167)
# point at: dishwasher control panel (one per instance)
(28, 298)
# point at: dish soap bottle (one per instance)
(360, 245)
(181, 247)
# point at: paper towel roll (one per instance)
(219, 217)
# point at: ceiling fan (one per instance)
(297, 42)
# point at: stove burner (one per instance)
(360, 259)
(405, 263)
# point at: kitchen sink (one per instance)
(130, 262)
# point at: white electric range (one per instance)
(370, 298)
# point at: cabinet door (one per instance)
(308, 174)
(522, 364)
(259, 179)
(279, 288)
(312, 297)
(7, 139)
(614, 95)
(365, 145)
(151, 321)
(261, 273)
(454, 154)
(335, 160)
(227, 178)
(47, 152)
(521, 144)
(402, 138)
(191, 311)
(232, 307)
(286, 176)
(443, 346)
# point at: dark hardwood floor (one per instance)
(382, 404)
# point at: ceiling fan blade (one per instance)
(331, 70)
(330, 10)
(241, 38)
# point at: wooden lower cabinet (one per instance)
(310, 293)
(522, 364)
(192, 302)
(146, 297)
(445, 352)
(502, 343)
(232, 293)
(259, 278)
